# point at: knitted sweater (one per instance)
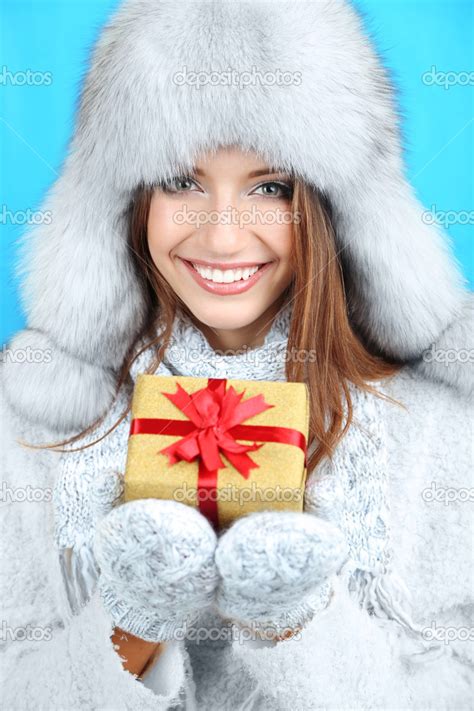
(366, 626)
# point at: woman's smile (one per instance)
(226, 279)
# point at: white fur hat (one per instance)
(330, 119)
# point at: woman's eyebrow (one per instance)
(264, 171)
(253, 174)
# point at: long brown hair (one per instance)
(319, 323)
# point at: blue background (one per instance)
(57, 35)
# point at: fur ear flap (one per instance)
(403, 286)
(47, 386)
(79, 284)
(450, 358)
(83, 303)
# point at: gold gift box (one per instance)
(277, 483)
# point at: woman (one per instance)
(171, 124)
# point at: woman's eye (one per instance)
(275, 189)
(179, 184)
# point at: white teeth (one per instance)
(225, 276)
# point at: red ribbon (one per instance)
(214, 425)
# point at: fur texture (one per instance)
(335, 126)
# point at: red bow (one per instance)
(214, 411)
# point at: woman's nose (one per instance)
(224, 230)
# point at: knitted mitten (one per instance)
(157, 569)
(275, 570)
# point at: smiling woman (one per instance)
(275, 224)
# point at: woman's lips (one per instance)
(224, 289)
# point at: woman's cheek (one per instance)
(164, 235)
(278, 238)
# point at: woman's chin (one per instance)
(226, 317)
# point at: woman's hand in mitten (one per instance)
(276, 570)
(153, 560)
(157, 570)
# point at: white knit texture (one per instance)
(275, 568)
(157, 570)
(350, 489)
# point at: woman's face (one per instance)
(221, 237)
